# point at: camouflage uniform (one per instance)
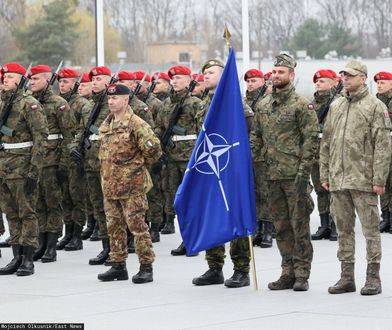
(30, 124)
(127, 146)
(49, 209)
(353, 158)
(162, 96)
(142, 110)
(286, 127)
(239, 248)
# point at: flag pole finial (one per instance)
(227, 37)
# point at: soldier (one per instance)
(72, 180)
(85, 88)
(267, 78)
(49, 209)
(324, 81)
(286, 128)
(100, 77)
(163, 87)
(254, 82)
(384, 89)
(124, 135)
(355, 157)
(20, 157)
(200, 86)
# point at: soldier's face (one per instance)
(212, 76)
(384, 86)
(180, 82)
(353, 83)
(281, 76)
(66, 85)
(11, 80)
(117, 103)
(128, 83)
(99, 83)
(162, 86)
(85, 89)
(199, 89)
(254, 83)
(323, 85)
(39, 81)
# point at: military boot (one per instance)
(154, 233)
(95, 235)
(67, 237)
(324, 231)
(117, 272)
(26, 268)
(50, 253)
(180, 251)
(103, 255)
(89, 228)
(347, 280)
(390, 224)
(211, 276)
(334, 235)
(238, 280)
(144, 275)
(131, 243)
(284, 282)
(13, 266)
(42, 243)
(266, 241)
(301, 284)
(76, 242)
(5, 243)
(169, 226)
(385, 225)
(258, 236)
(373, 281)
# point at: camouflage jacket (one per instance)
(181, 150)
(28, 120)
(127, 147)
(162, 96)
(285, 130)
(91, 161)
(153, 103)
(251, 96)
(386, 98)
(355, 142)
(142, 110)
(55, 109)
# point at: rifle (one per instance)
(51, 80)
(260, 94)
(4, 130)
(151, 88)
(137, 88)
(175, 115)
(205, 93)
(74, 88)
(325, 108)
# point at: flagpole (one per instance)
(253, 263)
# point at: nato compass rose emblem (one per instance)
(212, 157)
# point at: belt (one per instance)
(177, 138)
(320, 135)
(55, 137)
(93, 137)
(9, 146)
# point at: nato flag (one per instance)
(215, 202)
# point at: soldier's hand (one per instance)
(156, 168)
(76, 157)
(61, 175)
(30, 185)
(379, 190)
(301, 183)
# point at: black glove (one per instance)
(156, 168)
(61, 175)
(301, 183)
(76, 157)
(30, 185)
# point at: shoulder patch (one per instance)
(34, 107)
(386, 114)
(310, 106)
(146, 109)
(149, 143)
(62, 108)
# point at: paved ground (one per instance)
(68, 291)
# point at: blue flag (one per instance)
(215, 202)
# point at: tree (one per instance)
(341, 40)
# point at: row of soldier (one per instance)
(63, 181)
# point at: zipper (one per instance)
(344, 135)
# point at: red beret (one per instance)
(11, 68)
(140, 74)
(162, 75)
(333, 73)
(175, 70)
(267, 75)
(67, 73)
(383, 75)
(201, 77)
(99, 71)
(40, 68)
(323, 74)
(85, 78)
(253, 73)
(126, 75)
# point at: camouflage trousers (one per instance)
(20, 211)
(291, 214)
(2, 228)
(386, 199)
(95, 195)
(239, 253)
(344, 204)
(123, 213)
(261, 189)
(87, 204)
(175, 172)
(323, 196)
(49, 210)
(74, 197)
(155, 200)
